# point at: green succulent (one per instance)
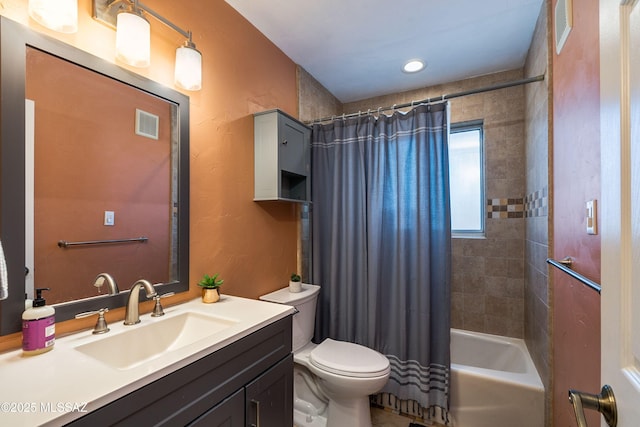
(211, 282)
(295, 277)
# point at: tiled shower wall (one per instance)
(314, 101)
(488, 274)
(537, 313)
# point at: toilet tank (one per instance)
(304, 320)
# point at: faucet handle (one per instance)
(157, 309)
(101, 324)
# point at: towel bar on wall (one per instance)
(565, 265)
(65, 244)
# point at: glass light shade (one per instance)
(188, 71)
(57, 15)
(133, 39)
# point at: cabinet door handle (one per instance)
(285, 142)
(256, 403)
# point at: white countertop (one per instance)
(61, 385)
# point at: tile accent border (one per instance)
(505, 208)
(536, 203)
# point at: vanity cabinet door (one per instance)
(229, 413)
(269, 398)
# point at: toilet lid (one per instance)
(348, 359)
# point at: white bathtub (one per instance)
(493, 382)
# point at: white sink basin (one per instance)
(138, 344)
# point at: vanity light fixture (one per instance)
(133, 35)
(133, 38)
(61, 15)
(188, 71)
(413, 66)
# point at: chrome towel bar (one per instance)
(565, 265)
(65, 244)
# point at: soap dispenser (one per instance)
(38, 326)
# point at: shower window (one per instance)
(466, 176)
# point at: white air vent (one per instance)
(146, 124)
(563, 22)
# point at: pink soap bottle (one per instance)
(38, 326)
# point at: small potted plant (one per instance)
(210, 285)
(295, 285)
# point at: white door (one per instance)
(620, 207)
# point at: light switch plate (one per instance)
(109, 218)
(592, 217)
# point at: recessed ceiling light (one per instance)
(413, 66)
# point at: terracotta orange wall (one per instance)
(576, 179)
(252, 245)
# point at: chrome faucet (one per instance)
(112, 286)
(132, 313)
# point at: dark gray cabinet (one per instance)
(228, 413)
(267, 397)
(249, 379)
(282, 155)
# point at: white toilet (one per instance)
(333, 379)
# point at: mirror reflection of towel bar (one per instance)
(65, 244)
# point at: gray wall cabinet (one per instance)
(282, 157)
(246, 382)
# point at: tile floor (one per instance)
(383, 418)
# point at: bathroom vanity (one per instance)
(237, 383)
(228, 362)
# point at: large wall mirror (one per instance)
(94, 177)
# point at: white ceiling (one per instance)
(356, 48)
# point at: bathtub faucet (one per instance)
(605, 403)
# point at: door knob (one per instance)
(605, 403)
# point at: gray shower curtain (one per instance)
(382, 244)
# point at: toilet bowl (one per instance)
(333, 379)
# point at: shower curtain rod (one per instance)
(433, 99)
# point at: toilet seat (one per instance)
(348, 359)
